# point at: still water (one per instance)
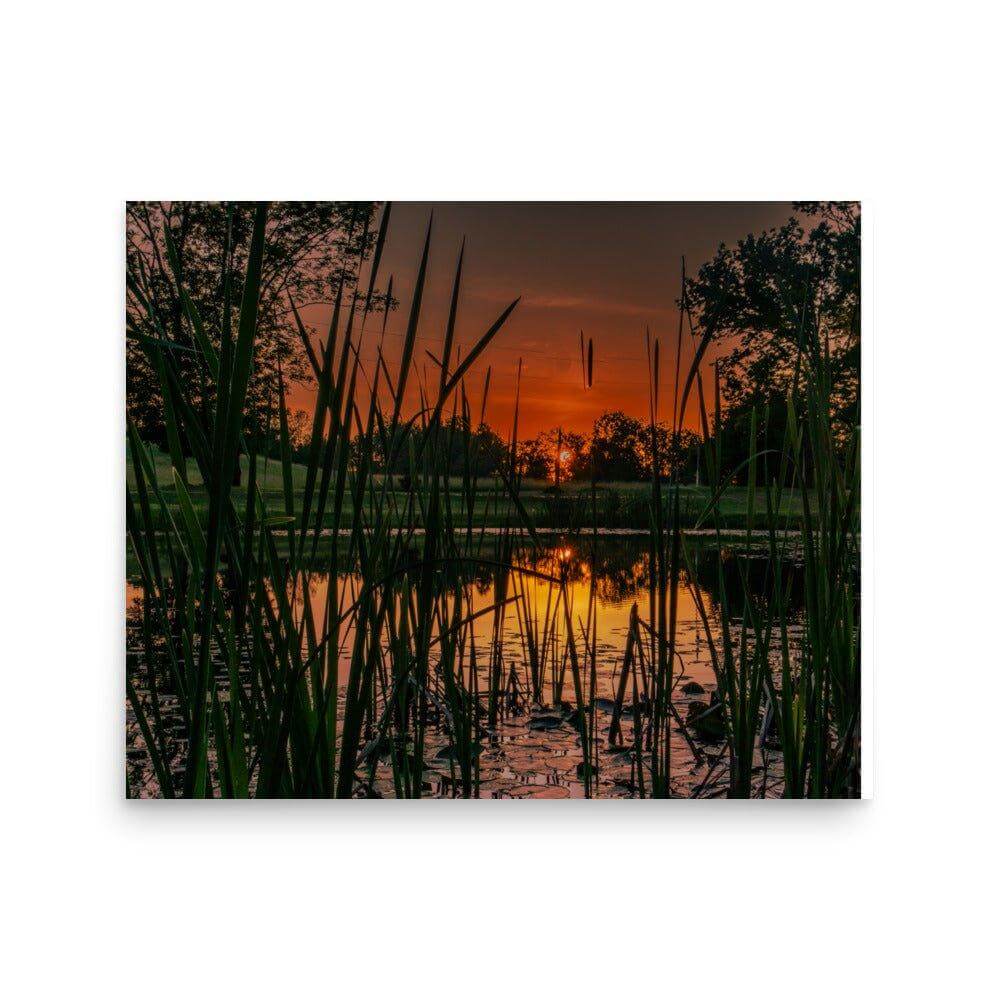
(534, 750)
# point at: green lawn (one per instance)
(619, 504)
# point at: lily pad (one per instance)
(539, 792)
(543, 723)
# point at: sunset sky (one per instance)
(608, 269)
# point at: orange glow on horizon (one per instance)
(610, 270)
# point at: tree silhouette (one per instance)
(312, 249)
(617, 447)
(782, 299)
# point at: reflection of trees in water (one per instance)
(620, 567)
(620, 574)
(716, 569)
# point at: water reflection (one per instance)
(616, 570)
(601, 579)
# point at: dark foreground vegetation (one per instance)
(273, 696)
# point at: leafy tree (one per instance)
(620, 448)
(486, 448)
(487, 451)
(268, 439)
(784, 299)
(738, 438)
(679, 453)
(553, 454)
(533, 458)
(617, 447)
(311, 249)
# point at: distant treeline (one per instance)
(619, 448)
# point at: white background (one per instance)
(892, 104)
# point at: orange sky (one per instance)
(609, 269)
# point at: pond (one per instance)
(531, 747)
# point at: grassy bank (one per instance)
(616, 504)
